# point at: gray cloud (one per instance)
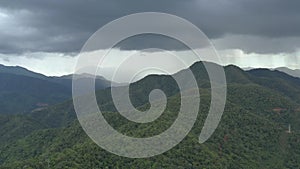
(64, 26)
(259, 44)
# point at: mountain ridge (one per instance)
(251, 134)
(22, 90)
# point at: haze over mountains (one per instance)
(291, 72)
(260, 105)
(22, 91)
(144, 46)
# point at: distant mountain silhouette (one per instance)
(295, 72)
(291, 72)
(22, 90)
(17, 70)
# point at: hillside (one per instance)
(23, 91)
(252, 133)
(243, 134)
(21, 94)
(295, 72)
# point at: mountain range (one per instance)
(22, 91)
(253, 132)
(291, 72)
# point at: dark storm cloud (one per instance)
(64, 26)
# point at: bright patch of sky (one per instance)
(57, 64)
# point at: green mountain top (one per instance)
(253, 132)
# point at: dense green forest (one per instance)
(260, 106)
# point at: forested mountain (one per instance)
(17, 70)
(260, 106)
(23, 91)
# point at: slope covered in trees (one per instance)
(252, 132)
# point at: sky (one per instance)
(46, 36)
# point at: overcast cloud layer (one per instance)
(64, 26)
(248, 33)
